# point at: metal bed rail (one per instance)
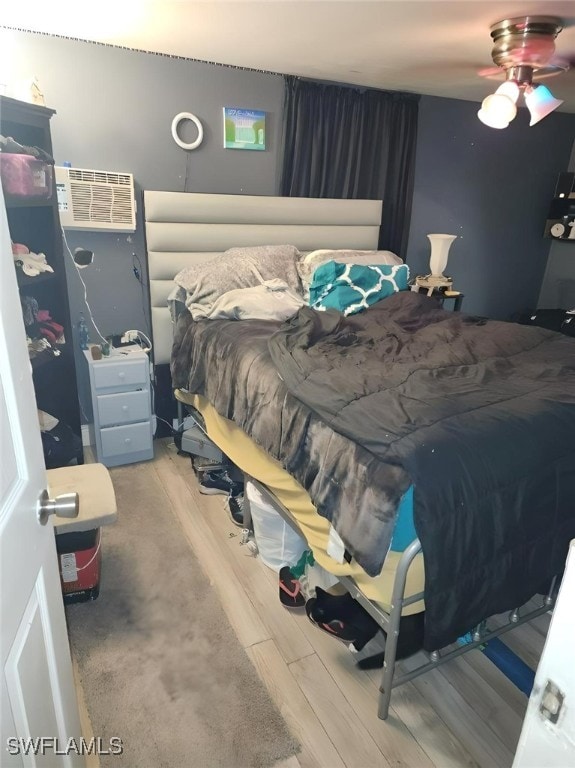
(390, 622)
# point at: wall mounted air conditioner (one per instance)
(99, 200)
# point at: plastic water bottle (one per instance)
(83, 333)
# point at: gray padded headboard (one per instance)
(183, 228)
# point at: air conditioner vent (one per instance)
(101, 177)
(97, 200)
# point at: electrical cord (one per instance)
(173, 430)
(137, 265)
(138, 270)
(94, 556)
(188, 160)
(137, 336)
(85, 289)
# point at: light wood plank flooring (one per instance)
(466, 713)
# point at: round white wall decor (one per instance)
(175, 124)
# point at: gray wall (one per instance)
(114, 112)
(491, 188)
(558, 288)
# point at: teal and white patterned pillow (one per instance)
(353, 287)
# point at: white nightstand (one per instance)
(121, 400)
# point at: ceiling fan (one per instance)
(524, 51)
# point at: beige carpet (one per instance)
(160, 664)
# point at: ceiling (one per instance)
(434, 48)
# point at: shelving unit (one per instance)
(36, 224)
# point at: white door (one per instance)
(38, 694)
(548, 736)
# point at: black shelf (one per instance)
(27, 202)
(44, 358)
(26, 281)
(35, 223)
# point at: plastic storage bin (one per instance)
(278, 544)
(25, 176)
(197, 443)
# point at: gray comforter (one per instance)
(230, 364)
(478, 414)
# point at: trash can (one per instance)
(80, 559)
(79, 539)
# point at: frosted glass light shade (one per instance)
(492, 118)
(540, 102)
(440, 245)
(499, 109)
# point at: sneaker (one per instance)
(341, 617)
(235, 507)
(219, 482)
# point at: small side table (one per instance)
(122, 405)
(439, 295)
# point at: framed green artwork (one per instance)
(244, 129)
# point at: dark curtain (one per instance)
(343, 142)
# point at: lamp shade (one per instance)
(498, 109)
(540, 102)
(440, 245)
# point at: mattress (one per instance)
(254, 461)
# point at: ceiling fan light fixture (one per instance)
(540, 102)
(524, 49)
(525, 40)
(498, 109)
(510, 90)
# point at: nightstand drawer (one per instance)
(126, 440)
(123, 408)
(121, 373)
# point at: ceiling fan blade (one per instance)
(491, 72)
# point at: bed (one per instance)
(341, 459)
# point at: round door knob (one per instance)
(65, 505)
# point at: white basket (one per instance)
(278, 544)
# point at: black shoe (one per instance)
(235, 507)
(341, 617)
(410, 641)
(219, 482)
(290, 589)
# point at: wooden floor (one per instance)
(466, 713)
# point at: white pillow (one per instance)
(271, 300)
